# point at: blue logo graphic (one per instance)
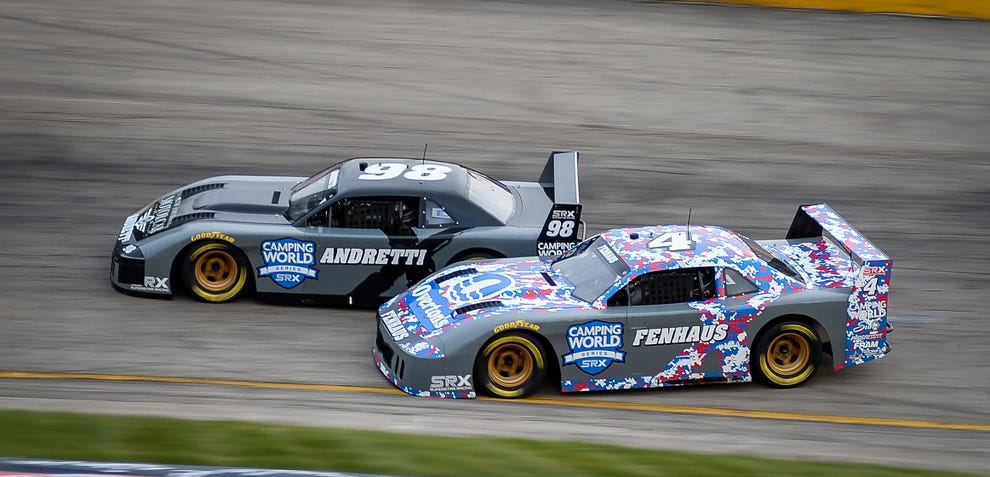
(432, 309)
(594, 346)
(288, 261)
(480, 286)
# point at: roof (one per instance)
(440, 182)
(447, 183)
(678, 246)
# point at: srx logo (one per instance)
(156, 282)
(450, 382)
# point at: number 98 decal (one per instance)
(417, 172)
(560, 228)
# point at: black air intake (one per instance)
(201, 188)
(181, 219)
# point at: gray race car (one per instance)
(363, 229)
(644, 307)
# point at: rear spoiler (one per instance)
(866, 314)
(563, 227)
(560, 177)
(819, 220)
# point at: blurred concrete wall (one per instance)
(945, 8)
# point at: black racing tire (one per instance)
(511, 365)
(787, 355)
(215, 272)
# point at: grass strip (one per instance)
(94, 437)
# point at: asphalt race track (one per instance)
(736, 114)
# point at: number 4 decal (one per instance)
(674, 241)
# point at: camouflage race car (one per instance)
(364, 229)
(644, 307)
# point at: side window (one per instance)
(394, 216)
(319, 219)
(737, 284)
(667, 286)
(435, 216)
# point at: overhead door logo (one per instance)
(594, 346)
(288, 261)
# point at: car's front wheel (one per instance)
(510, 365)
(787, 355)
(215, 272)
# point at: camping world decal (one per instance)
(288, 261)
(594, 346)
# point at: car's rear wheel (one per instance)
(510, 365)
(787, 355)
(215, 272)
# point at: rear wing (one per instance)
(866, 322)
(563, 227)
(560, 177)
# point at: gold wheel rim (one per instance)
(216, 271)
(789, 353)
(510, 365)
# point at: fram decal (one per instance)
(594, 346)
(288, 261)
(479, 287)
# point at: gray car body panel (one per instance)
(833, 280)
(368, 264)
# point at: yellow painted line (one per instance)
(216, 382)
(564, 402)
(939, 8)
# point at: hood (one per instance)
(820, 264)
(241, 198)
(479, 290)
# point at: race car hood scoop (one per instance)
(243, 198)
(243, 201)
(482, 290)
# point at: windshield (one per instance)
(490, 195)
(312, 192)
(770, 258)
(592, 267)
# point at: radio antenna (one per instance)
(689, 224)
(424, 151)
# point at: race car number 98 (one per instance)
(418, 172)
(560, 228)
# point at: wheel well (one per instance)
(807, 320)
(175, 272)
(553, 372)
(473, 252)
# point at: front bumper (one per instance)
(419, 376)
(127, 273)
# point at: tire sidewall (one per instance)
(760, 368)
(189, 274)
(483, 381)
